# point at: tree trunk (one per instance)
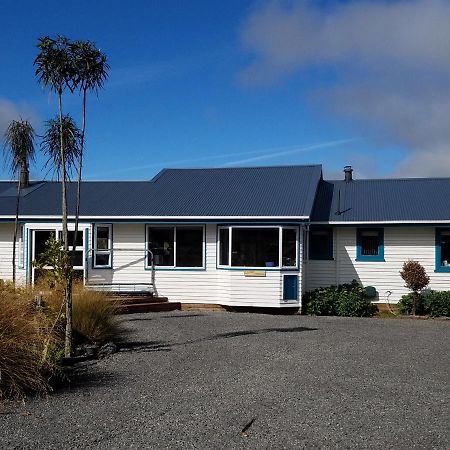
(80, 167)
(414, 305)
(68, 271)
(16, 226)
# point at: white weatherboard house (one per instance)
(257, 236)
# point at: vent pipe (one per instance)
(348, 174)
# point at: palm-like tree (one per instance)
(19, 152)
(55, 70)
(51, 144)
(91, 72)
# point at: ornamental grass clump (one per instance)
(94, 318)
(23, 366)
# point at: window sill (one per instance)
(265, 269)
(168, 269)
(442, 270)
(370, 260)
(102, 267)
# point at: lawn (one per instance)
(197, 380)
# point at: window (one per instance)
(102, 246)
(320, 243)
(258, 247)
(370, 244)
(443, 250)
(78, 258)
(176, 246)
(224, 246)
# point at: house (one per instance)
(258, 236)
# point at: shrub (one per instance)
(405, 305)
(342, 300)
(437, 304)
(416, 279)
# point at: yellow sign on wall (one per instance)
(255, 273)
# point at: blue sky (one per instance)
(213, 83)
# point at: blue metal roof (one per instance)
(231, 192)
(383, 200)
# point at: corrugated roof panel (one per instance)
(414, 199)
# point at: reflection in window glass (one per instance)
(255, 247)
(189, 247)
(161, 243)
(289, 246)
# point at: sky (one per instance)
(209, 83)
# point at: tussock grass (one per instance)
(32, 336)
(22, 331)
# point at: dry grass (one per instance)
(22, 331)
(31, 337)
(94, 317)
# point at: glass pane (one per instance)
(40, 239)
(369, 243)
(289, 247)
(70, 235)
(189, 247)
(445, 250)
(102, 259)
(320, 244)
(78, 258)
(255, 247)
(160, 242)
(102, 238)
(224, 236)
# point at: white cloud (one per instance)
(391, 60)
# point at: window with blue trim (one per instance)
(176, 246)
(320, 243)
(370, 244)
(102, 246)
(443, 250)
(258, 247)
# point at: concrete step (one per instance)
(148, 307)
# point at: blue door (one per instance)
(290, 287)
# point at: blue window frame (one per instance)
(442, 249)
(370, 244)
(320, 243)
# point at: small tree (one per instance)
(416, 279)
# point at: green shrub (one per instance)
(342, 300)
(437, 304)
(405, 305)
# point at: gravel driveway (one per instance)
(196, 380)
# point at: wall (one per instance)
(400, 244)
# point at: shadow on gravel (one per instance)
(160, 346)
(263, 331)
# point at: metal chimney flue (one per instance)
(348, 174)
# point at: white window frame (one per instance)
(102, 252)
(174, 266)
(280, 247)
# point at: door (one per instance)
(39, 239)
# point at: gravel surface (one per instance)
(196, 380)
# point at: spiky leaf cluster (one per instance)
(19, 145)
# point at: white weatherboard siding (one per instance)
(210, 285)
(6, 247)
(400, 244)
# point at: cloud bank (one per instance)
(390, 61)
